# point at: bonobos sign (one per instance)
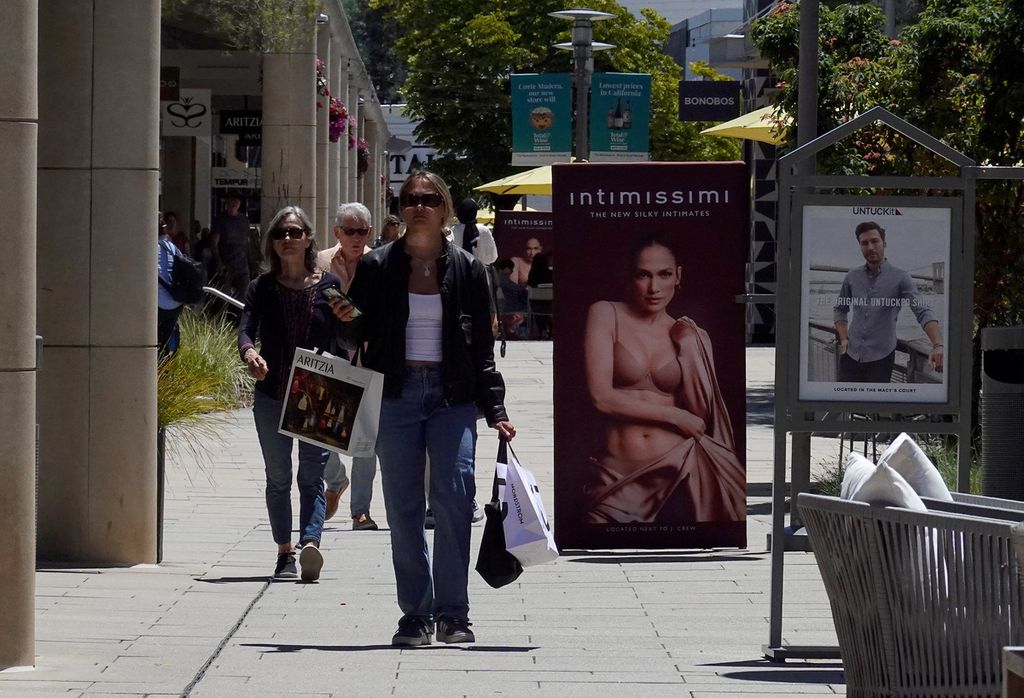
(709, 100)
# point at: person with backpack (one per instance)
(168, 309)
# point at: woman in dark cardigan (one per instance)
(285, 309)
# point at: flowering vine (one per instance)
(337, 115)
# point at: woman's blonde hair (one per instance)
(439, 185)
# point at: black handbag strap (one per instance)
(504, 448)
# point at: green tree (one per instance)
(257, 25)
(461, 53)
(376, 36)
(957, 72)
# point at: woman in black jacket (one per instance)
(426, 325)
(285, 309)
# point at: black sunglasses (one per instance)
(427, 200)
(354, 231)
(293, 233)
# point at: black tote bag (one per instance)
(495, 564)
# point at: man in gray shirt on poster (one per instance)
(877, 291)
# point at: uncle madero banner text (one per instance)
(541, 118)
(620, 115)
(649, 362)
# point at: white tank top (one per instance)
(423, 331)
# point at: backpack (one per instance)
(187, 278)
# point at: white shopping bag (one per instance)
(528, 534)
(333, 404)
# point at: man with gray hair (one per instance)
(352, 228)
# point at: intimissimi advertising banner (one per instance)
(649, 365)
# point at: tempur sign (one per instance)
(709, 100)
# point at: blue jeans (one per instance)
(422, 423)
(277, 459)
(364, 470)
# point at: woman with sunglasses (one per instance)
(285, 309)
(426, 325)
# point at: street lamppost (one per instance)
(582, 47)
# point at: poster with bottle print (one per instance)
(649, 355)
(332, 404)
(620, 114)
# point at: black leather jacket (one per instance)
(381, 291)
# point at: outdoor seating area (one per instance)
(923, 601)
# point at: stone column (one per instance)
(323, 50)
(342, 152)
(19, 111)
(353, 112)
(372, 175)
(98, 172)
(289, 129)
(366, 191)
(334, 149)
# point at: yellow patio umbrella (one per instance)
(536, 181)
(758, 125)
(486, 215)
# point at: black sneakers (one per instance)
(451, 629)
(312, 561)
(363, 522)
(412, 632)
(285, 568)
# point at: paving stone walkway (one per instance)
(207, 622)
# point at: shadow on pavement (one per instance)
(616, 557)
(763, 670)
(234, 580)
(388, 647)
(761, 406)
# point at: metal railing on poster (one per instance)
(799, 414)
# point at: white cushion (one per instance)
(886, 487)
(907, 458)
(858, 469)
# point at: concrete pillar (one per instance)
(98, 178)
(19, 112)
(338, 69)
(366, 191)
(379, 169)
(343, 159)
(352, 187)
(323, 50)
(372, 175)
(289, 129)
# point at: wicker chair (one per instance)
(923, 603)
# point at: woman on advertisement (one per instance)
(669, 454)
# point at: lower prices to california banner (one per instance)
(649, 360)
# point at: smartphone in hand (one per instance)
(331, 293)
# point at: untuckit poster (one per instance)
(541, 118)
(649, 360)
(620, 113)
(875, 307)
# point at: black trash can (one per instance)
(1002, 412)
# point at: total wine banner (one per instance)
(620, 114)
(541, 118)
(649, 364)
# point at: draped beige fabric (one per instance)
(707, 467)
